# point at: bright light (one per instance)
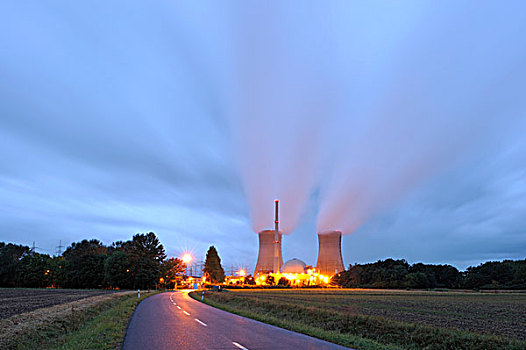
(241, 273)
(187, 258)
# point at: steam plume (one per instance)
(276, 117)
(418, 121)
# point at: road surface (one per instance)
(175, 321)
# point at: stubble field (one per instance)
(385, 319)
(16, 301)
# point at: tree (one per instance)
(172, 270)
(10, 256)
(84, 264)
(496, 274)
(117, 270)
(57, 275)
(33, 271)
(249, 280)
(283, 282)
(213, 270)
(146, 254)
(270, 280)
(417, 280)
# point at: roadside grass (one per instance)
(92, 323)
(362, 332)
(105, 331)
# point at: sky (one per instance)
(400, 124)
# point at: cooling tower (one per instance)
(265, 262)
(330, 260)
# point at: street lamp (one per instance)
(187, 259)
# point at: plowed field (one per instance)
(17, 301)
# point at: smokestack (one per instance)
(277, 241)
(267, 251)
(330, 260)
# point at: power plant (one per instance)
(266, 256)
(270, 259)
(330, 260)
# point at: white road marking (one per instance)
(201, 322)
(186, 313)
(239, 346)
(178, 307)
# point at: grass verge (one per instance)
(93, 323)
(357, 331)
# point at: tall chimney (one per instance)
(267, 251)
(330, 260)
(277, 241)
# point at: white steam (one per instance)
(276, 115)
(447, 91)
(363, 101)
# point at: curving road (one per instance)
(175, 321)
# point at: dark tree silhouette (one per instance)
(84, 264)
(117, 270)
(146, 254)
(10, 255)
(283, 282)
(213, 270)
(33, 271)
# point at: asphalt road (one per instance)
(175, 321)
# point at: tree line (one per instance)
(139, 263)
(389, 273)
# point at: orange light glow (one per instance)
(241, 273)
(295, 279)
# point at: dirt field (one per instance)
(16, 301)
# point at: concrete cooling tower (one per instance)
(330, 260)
(265, 262)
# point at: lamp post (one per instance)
(187, 259)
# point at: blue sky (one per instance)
(401, 124)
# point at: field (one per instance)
(65, 319)
(376, 319)
(17, 301)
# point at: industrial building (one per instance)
(270, 259)
(265, 263)
(330, 260)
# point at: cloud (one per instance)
(189, 120)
